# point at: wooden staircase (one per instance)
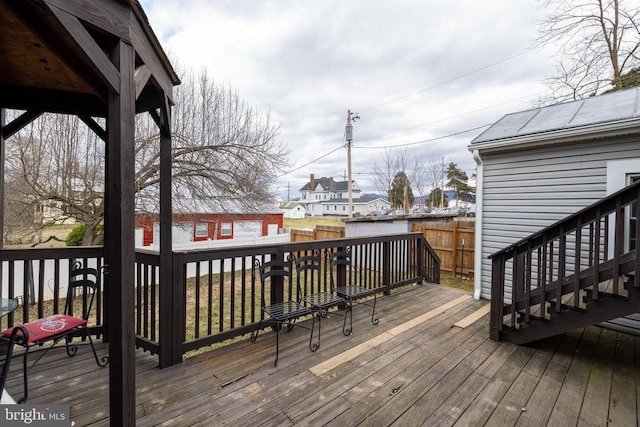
(578, 272)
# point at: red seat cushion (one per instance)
(44, 328)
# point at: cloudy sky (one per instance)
(424, 76)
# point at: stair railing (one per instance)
(573, 260)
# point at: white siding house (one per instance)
(293, 210)
(328, 197)
(538, 166)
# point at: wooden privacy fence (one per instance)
(453, 242)
(321, 232)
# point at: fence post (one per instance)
(454, 248)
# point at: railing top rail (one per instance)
(588, 214)
(240, 251)
(13, 254)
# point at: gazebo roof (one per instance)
(54, 55)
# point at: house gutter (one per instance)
(477, 274)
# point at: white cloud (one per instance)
(311, 61)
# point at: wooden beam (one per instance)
(110, 16)
(94, 126)
(91, 49)
(149, 56)
(20, 122)
(53, 101)
(142, 77)
(119, 242)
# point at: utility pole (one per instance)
(442, 189)
(349, 136)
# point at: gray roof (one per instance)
(328, 184)
(608, 108)
(355, 201)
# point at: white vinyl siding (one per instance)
(525, 190)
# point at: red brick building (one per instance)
(210, 226)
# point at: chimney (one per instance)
(312, 181)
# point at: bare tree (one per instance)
(384, 172)
(419, 176)
(55, 172)
(597, 42)
(225, 156)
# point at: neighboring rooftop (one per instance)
(613, 107)
(327, 184)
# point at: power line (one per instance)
(445, 82)
(450, 117)
(378, 148)
(426, 140)
(312, 161)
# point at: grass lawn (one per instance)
(465, 283)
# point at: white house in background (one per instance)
(328, 197)
(293, 210)
(361, 206)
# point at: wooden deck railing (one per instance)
(214, 295)
(567, 264)
(38, 277)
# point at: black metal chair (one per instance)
(82, 281)
(308, 278)
(343, 281)
(6, 353)
(276, 273)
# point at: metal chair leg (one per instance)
(278, 328)
(345, 331)
(314, 347)
(105, 359)
(24, 375)
(254, 334)
(374, 319)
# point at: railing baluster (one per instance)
(577, 263)
(515, 289)
(595, 278)
(527, 283)
(636, 276)
(543, 277)
(618, 245)
(562, 259)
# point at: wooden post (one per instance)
(170, 281)
(3, 113)
(454, 249)
(497, 296)
(119, 242)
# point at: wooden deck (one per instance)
(414, 368)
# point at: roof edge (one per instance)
(599, 130)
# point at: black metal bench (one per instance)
(308, 279)
(278, 273)
(346, 287)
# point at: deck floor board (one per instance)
(413, 368)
